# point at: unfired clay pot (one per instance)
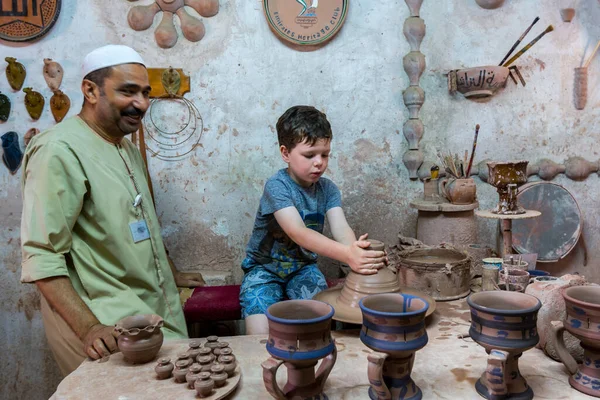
(490, 4)
(204, 385)
(140, 337)
(299, 336)
(394, 327)
(548, 290)
(504, 341)
(459, 191)
(218, 374)
(164, 368)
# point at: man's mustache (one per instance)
(132, 112)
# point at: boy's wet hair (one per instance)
(302, 124)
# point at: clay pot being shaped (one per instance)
(548, 290)
(15, 73)
(4, 107)
(506, 177)
(394, 328)
(204, 385)
(140, 337)
(164, 368)
(459, 191)
(504, 323)
(490, 4)
(299, 336)
(478, 82)
(583, 322)
(53, 74)
(59, 105)
(34, 103)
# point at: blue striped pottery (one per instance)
(583, 322)
(299, 336)
(504, 323)
(394, 327)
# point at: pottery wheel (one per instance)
(353, 315)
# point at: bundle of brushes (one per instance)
(456, 166)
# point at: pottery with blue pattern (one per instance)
(394, 327)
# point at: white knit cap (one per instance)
(109, 56)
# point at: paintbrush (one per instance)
(549, 29)
(589, 60)
(473, 151)
(519, 40)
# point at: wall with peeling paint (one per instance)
(243, 78)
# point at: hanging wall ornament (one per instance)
(4, 107)
(27, 20)
(59, 105)
(141, 18)
(34, 103)
(53, 74)
(29, 135)
(15, 73)
(11, 152)
(305, 22)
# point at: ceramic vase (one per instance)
(504, 323)
(393, 327)
(583, 322)
(459, 191)
(299, 336)
(140, 337)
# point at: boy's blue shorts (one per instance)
(262, 288)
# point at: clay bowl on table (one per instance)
(480, 82)
(140, 337)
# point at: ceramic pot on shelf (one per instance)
(459, 191)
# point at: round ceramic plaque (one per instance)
(306, 22)
(26, 20)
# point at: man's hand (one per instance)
(100, 341)
(365, 262)
(189, 279)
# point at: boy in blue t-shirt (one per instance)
(281, 257)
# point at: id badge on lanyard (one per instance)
(139, 229)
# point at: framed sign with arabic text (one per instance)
(306, 22)
(27, 20)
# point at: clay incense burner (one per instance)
(299, 336)
(583, 322)
(394, 327)
(504, 323)
(140, 337)
(507, 177)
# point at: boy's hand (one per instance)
(365, 262)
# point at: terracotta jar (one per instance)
(204, 385)
(504, 323)
(164, 368)
(194, 350)
(140, 337)
(181, 370)
(299, 336)
(205, 362)
(548, 290)
(226, 352)
(218, 375)
(229, 363)
(394, 328)
(211, 342)
(459, 191)
(192, 375)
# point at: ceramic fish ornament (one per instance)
(4, 107)
(59, 105)
(11, 152)
(34, 102)
(15, 73)
(53, 74)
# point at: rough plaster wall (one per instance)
(243, 78)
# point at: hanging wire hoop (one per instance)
(172, 142)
